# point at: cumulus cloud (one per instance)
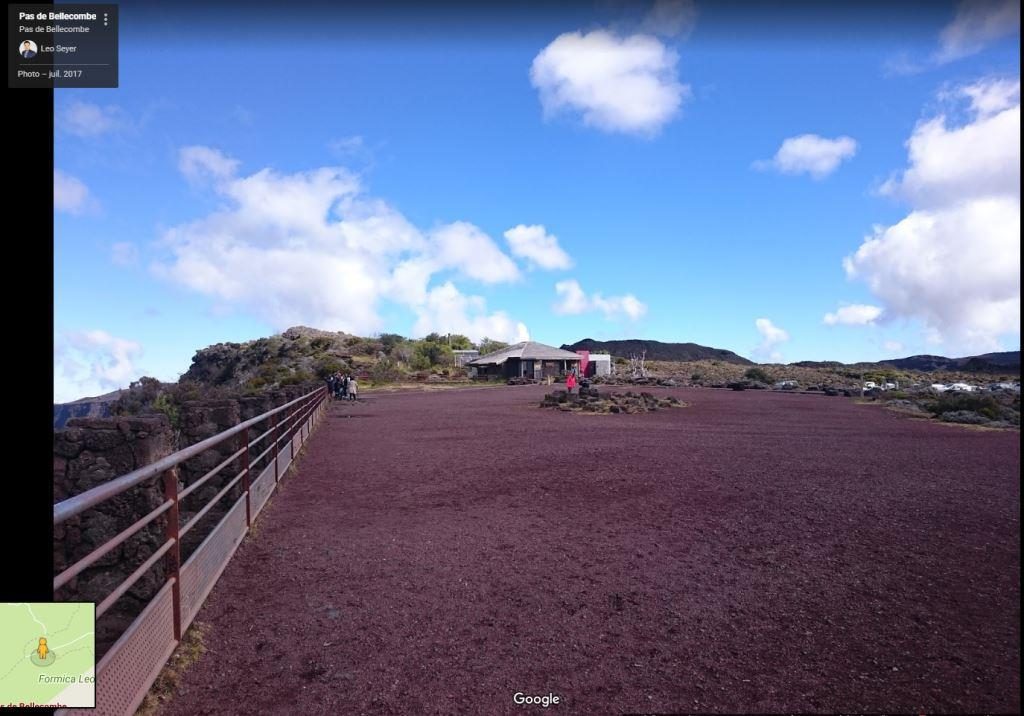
(90, 363)
(977, 24)
(771, 338)
(810, 154)
(465, 247)
(85, 119)
(857, 314)
(954, 261)
(949, 164)
(312, 247)
(447, 310)
(670, 18)
(537, 246)
(573, 300)
(992, 96)
(70, 194)
(616, 84)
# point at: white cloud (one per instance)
(857, 314)
(810, 154)
(954, 261)
(893, 346)
(463, 246)
(617, 84)
(771, 337)
(198, 163)
(671, 18)
(124, 254)
(70, 194)
(957, 269)
(537, 246)
(977, 24)
(573, 300)
(447, 310)
(312, 248)
(90, 363)
(981, 158)
(84, 119)
(992, 96)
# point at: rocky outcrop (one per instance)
(592, 400)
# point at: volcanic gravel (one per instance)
(753, 552)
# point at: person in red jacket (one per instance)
(570, 381)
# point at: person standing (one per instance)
(570, 381)
(353, 388)
(344, 386)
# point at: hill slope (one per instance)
(987, 362)
(98, 407)
(656, 350)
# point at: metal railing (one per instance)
(128, 669)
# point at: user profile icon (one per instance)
(28, 49)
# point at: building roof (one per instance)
(527, 350)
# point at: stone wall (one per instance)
(200, 420)
(89, 452)
(92, 451)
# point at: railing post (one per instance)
(173, 564)
(245, 477)
(277, 446)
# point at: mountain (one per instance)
(1008, 361)
(656, 350)
(98, 407)
(985, 363)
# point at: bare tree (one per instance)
(636, 365)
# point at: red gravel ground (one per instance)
(754, 552)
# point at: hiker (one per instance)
(570, 381)
(353, 388)
(344, 386)
(330, 385)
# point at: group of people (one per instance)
(343, 386)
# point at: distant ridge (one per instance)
(985, 363)
(96, 407)
(656, 350)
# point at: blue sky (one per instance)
(790, 183)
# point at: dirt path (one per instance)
(755, 552)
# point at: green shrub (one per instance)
(982, 404)
(389, 341)
(296, 378)
(490, 346)
(385, 371)
(165, 404)
(328, 365)
(757, 374)
(434, 353)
